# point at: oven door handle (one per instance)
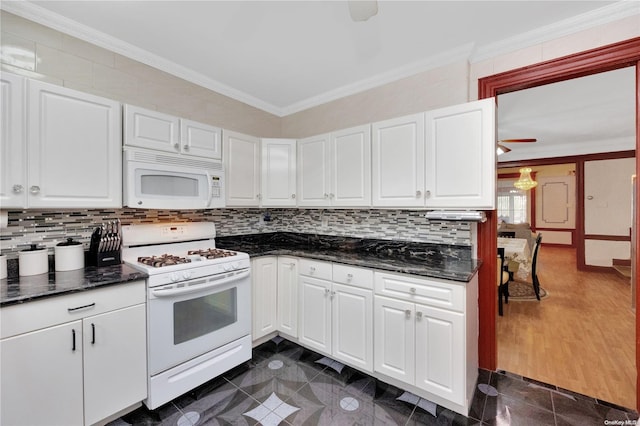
(199, 287)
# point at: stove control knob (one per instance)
(235, 265)
(174, 278)
(186, 275)
(226, 267)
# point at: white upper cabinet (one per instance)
(200, 139)
(351, 173)
(461, 156)
(74, 156)
(163, 132)
(13, 146)
(443, 158)
(278, 172)
(398, 162)
(335, 169)
(151, 129)
(242, 167)
(314, 171)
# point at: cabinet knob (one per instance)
(293, 196)
(349, 277)
(176, 146)
(327, 291)
(185, 147)
(326, 196)
(333, 293)
(418, 194)
(419, 315)
(408, 313)
(427, 194)
(18, 189)
(35, 189)
(312, 269)
(259, 196)
(412, 289)
(331, 196)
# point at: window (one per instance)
(513, 203)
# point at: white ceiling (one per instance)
(587, 115)
(286, 56)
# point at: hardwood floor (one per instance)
(581, 337)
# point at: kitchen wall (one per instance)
(49, 228)
(39, 52)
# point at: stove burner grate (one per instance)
(212, 253)
(163, 260)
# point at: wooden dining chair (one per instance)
(503, 280)
(534, 264)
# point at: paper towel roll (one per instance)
(4, 219)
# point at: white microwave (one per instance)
(158, 180)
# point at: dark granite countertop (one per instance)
(444, 261)
(17, 289)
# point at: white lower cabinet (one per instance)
(264, 280)
(287, 300)
(82, 357)
(420, 343)
(336, 315)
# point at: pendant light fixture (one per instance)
(525, 182)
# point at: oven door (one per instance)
(191, 318)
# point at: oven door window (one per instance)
(203, 315)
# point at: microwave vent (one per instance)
(175, 160)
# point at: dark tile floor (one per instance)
(286, 384)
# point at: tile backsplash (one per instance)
(49, 228)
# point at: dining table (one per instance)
(517, 254)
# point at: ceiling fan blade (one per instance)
(518, 140)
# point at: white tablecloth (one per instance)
(517, 250)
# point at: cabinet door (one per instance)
(241, 155)
(352, 325)
(314, 171)
(288, 296)
(264, 279)
(398, 162)
(394, 346)
(74, 149)
(461, 156)
(351, 160)
(13, 144)
(440, 366)
(315, 314)
(115, 361)
(151, 129)
(278, 172)
(42, 377)
(200, 139)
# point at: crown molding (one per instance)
(458, 54)
(73, 28)
(613, 12)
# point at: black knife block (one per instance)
(105, 258)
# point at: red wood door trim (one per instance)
(606, 58)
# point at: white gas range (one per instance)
(198, 305)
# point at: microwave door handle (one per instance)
(196, 288)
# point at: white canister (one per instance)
(3, 267)
(69, 255)
(33, 261)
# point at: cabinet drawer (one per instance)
(316, 269)
(428, 291)
(26, 317)
(359, 277)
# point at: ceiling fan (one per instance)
(501, 149)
